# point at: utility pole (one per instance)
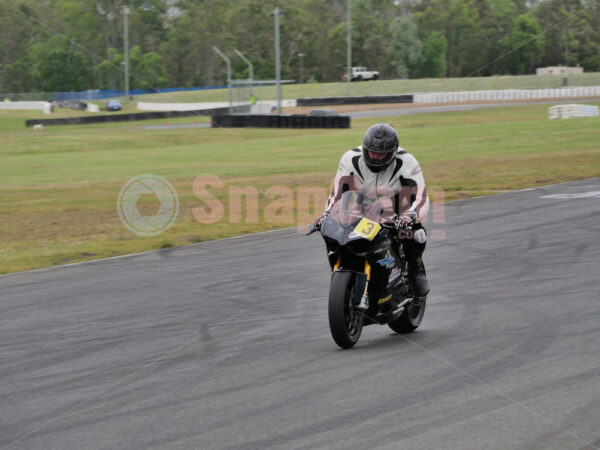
(276, 13)
(250, 68)
(301, 56)
(126, 50)
(228, 62)
(349, 45)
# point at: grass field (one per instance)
(59, 186)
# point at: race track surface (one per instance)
(226, 344)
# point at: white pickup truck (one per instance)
(362, 73)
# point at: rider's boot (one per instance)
(418, 277)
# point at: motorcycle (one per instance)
(369, 280)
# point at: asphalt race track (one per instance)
(226, 344)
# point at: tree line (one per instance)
(58, 45)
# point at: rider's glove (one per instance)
(405, 219)
(319, 220)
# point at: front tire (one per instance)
(410, 319)
(345, 322)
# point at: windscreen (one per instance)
(351, 206)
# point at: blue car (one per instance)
(114, 105)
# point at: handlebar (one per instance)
(312, 230)
(389, 225)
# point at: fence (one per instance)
(98, 94)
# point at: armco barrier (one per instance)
(280, 121)
(325, 101)
(124, 117)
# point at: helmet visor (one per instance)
(378, 159)
(377, 156)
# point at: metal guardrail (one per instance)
(360, 100)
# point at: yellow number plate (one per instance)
(367, 229)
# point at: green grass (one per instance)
(385, 87)
(59, 186)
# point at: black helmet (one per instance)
(380, 138)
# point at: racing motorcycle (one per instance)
(369, 282)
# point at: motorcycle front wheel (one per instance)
(345, 322)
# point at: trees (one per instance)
(522, 47)
(433, 61)
(404, 48)
(573, 32)
(458, 21)
(172, 40)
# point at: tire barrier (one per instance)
(507, 94)
(574, 110)
(277, 121)
(124, 117)
(361, 100)
(16, 106)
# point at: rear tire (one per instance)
(410, 319)
(345, 322)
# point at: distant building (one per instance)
(558, 70)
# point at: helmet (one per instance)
(381, 138)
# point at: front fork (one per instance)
(361, 283)
(364, 301)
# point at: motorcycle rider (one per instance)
(380, 166)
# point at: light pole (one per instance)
(301, 56)
(250, 69)
(276, 13)
(122, 64)
(228, 62)
(126, 50)
(349, 45)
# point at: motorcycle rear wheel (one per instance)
(410, 319)
(345, 322)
